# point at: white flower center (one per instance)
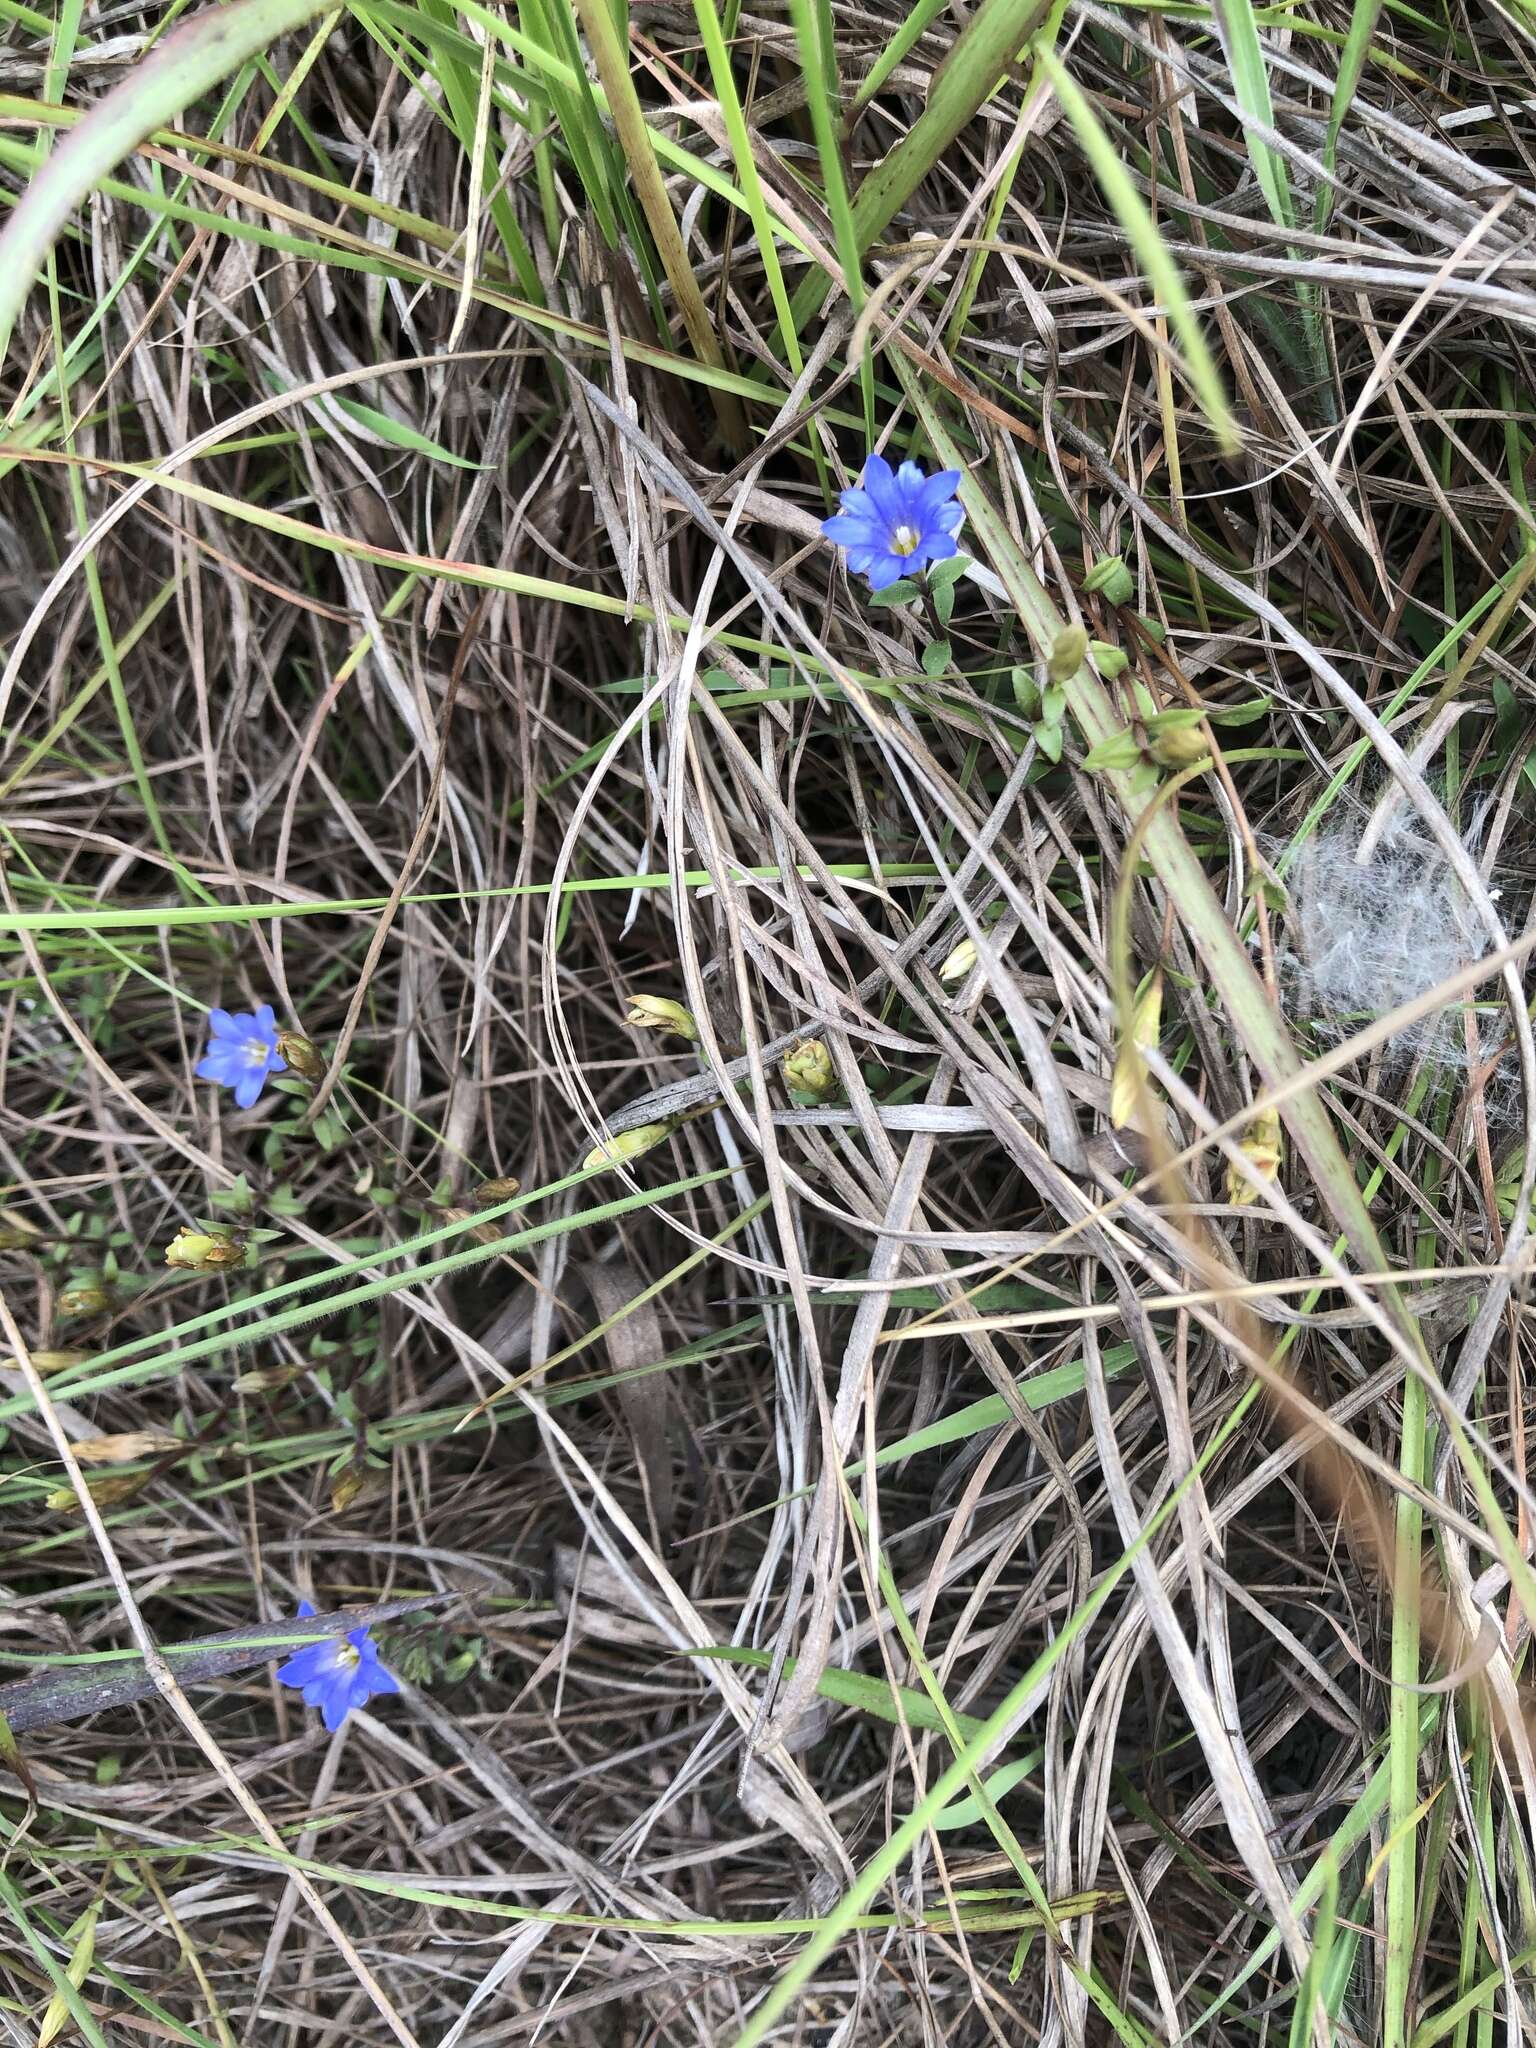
(904, 540)
(256, 1049)
(346, 1657)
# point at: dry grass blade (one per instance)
(892, 1248)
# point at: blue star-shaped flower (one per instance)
(896, 520)
(242, 1051)
(337, 1675)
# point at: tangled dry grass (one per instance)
(406, 626)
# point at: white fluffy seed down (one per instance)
(1366, 937)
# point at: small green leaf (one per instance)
(1120, 751)
(944, 602)
(902, 591)
(1109, 661)
(945, 575)
(935, 657)
(1050, 739)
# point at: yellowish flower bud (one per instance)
(303, 1056)
(1128, 1078)
(200, 1251)
(1178, 746)
(90, 1298)
(124, 1448)
(1067, 654)
(16, 1233)
(491, 1193)
(110, 1490)
(958, 964)
(1264, 1149)
(627, 1145)
(52, 1361)
(660, 1013)
(809, 1070)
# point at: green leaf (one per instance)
(944, 602)
(935, 657)
(1120, 751)
(1239, 34)
(902, 591)
(946, 574)
(1147, 244)
(399, 435)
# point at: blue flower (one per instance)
(337, 1675)
(896, 521)
(242, 1052)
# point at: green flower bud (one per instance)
(1067, 654)
(660, 1013)
(959, 963)
(1175, 740)
(627, 1145)
(301, 1054)
(809, 1071)
(1109, 577)
(89, 1298)
(491, 1193)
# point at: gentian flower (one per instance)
(242, 1051)
(338, 1674)
(896, 521)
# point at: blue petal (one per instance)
(382, 1679)
(938, 547)
(222, 1024)
(334, 1708)
(306, 1609)
(266, 1020)
(881, 487)
(950, 519)
(937, 489)
(885, 570)
(248, 1088)
(848, 529)
(909, 483)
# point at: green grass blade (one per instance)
(1161, 271)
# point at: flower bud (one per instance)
(1067, 654)
(958, 964)
(660, 1013)
(16, 1233)
(204, 1251)
(1129, 1076)
(627, 1145)
(490, 1193)
(1264, 1149)
(108, 1490)
(809, 1070)
(126, 1447)
(51, 1361)
(302, 1055)
(89, 1298)
(1109, 577)
(1175, 740)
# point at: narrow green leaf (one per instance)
(1141, 231)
